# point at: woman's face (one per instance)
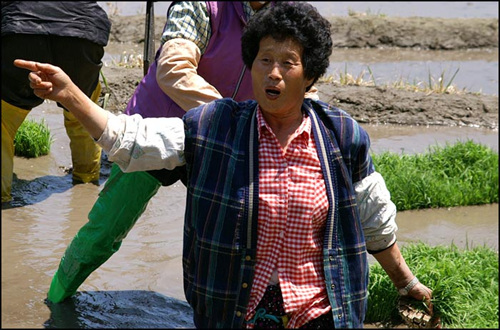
(278, 79)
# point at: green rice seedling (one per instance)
(106, 94)
(439, 87)
(464, 284)
(348, 79)
(430, 86)
(32, 139)
(462, 174)
(345, 78)
(371, 76)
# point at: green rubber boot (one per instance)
(120, 203)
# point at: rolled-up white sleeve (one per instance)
(377, 211)
(142, 144)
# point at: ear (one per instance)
(309, 82)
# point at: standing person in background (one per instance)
(283, 200)
(199, 61)
(71, 35)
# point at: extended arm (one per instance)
(50, 82)
(133, 142)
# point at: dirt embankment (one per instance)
(414, 32)
(365, 31)
(375, 105)
(384, 105)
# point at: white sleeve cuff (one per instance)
(142, 144)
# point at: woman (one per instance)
(283, 201)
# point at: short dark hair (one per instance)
(297, 20)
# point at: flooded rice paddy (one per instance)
(141, 285)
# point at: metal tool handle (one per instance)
(149, 36)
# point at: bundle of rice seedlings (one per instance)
(33, 139)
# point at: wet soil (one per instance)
(367, 104)
(362, 31)
(385, 105)
(414, 32)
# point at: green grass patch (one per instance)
(33, 139)
(464, 284)
(462, 174)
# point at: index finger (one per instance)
(35, 66)
(30, 65)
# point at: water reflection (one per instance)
(465, 227)
(130, 309)
(418, 139)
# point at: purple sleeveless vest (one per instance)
(223, 51)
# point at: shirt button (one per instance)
(333, 286)
(248, 258)
(244, 285)
(330, 258)
(339, 316)
(238, 314)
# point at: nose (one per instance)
(275, 72)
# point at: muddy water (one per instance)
(470, 70)
(141, 285)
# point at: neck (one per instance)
(284, 128)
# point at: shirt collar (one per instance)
(303, 130)
(248, 10)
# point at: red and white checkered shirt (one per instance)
(293, 206)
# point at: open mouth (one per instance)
(272, 92)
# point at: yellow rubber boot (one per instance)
(85, 153)
(12, 118)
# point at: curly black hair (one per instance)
(297, 20)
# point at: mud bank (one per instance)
(365, 31)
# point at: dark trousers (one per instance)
(79, 58)
(271, 314)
